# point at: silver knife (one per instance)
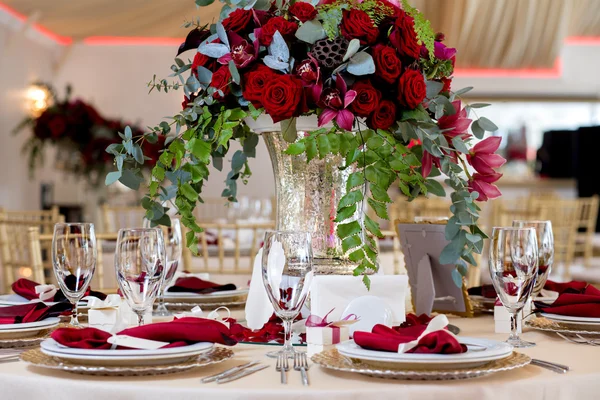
(558, 368)
(241, 374)
(228, 372)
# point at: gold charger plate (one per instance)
(332, 359)
(29, 341)
(183, 306)
(39, 359)
(544, 324)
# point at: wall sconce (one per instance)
(39, 99)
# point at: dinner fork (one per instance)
(301, 364)
(578, 339)
(282, 366)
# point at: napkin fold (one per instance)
(196, 285)
(27, 288)
(31, 312)
(574, 301)
(179, 332)
(489, 292)
(430, 338)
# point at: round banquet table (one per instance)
(19, 380)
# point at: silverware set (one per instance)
(235, 373)
(282, 365)
(300, 364)
(10, 355)
(554, 367)
(579, 339)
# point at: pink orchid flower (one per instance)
(456, 124)
(482, 156)
(440, 51)
(483, 184)
(241, 52)
(334, 102)
(310, 74)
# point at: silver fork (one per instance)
(282, 366)
(301, 364)
(578, 340)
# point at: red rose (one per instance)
(356, 24)
(367, 98)
(220, 81)
(404, 36)
(387, 63)
(255, 82)
(200, 60)
(384, 116)
(238, 20)
(411, 89)
(283, 97)
(447, 83)
(303, 11)
(285, 27)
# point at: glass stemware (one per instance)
(287, 273)
(513, 264)
(172, 236)
(74, 261)
(140, 260)
(545, 241)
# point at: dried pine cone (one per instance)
(330, 53)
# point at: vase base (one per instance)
(332, 266)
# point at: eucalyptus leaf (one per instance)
(214, 50)
(288, 130)
(130, 179)
(138, 155)
(353, 47)
(222, 34)
(112, 177)
(128, 134)
(274, 63)
(433, 88)
(477, 130)
(487, 124)
(311, 31)
(204, 76)
(279, 48)
(457, 278)
(203, 3)
(235, 75)
(460, 145)
(361, 64)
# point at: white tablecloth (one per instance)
(19, 381)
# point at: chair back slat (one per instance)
(119, 217)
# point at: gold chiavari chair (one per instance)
(397, 256)
(118, 217)
(227, 248)
(38, 241)
(15, 251)
(586, 227)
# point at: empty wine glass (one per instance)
(287, 273)
(140, 260)
(513, 266)
(74, 260)
(545, 241)
(172, 237)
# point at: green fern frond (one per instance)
(423, 29)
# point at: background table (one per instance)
(19, 381)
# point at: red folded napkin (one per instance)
(26, 288)
(489, 292)
(383, 338)
(179, 332)
(197, 285)
(574, 301)
(31, 312)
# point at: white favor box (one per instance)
(104, 319)
(502, 317)
(313, 349)
(325, 335)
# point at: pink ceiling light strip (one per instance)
(583, 41)
(520, 73)
(132, 41)
(62, 40)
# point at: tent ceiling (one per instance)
(488, 34)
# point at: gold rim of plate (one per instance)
(332, 359)
(546, 325)
(39, 359)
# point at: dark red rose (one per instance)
(238, 20)
(411, 89)
(356, 24)
(283, 98)
(57, 126)
(387, 63)
(447, 83)
(384, 116)
(220, 81)
(285, 27)
(200, 60)
(404, 36)
(254, 83)
(367, 98)
(308, 71)
(303, 11)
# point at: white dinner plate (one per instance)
(570, 319)
(211, 296)
(479, 352)
(28, 329)
(12, 300)
(124, 357)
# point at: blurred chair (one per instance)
(15, 250)
(504, 212)
(211, 209)
(427, 207)
(586, 227)
(38, 241)
(118, 217)
(226, 248)
(396, 252)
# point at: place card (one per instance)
(135, 343)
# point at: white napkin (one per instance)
(258, 306)
(46, 292)
(337, 291)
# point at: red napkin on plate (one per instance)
(489, 292)
(26, 288)
(197, 285)
(383, 338)
(575, 301)
(31, 312)
(179, 332)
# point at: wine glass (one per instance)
(74, 261)
(287, 273)
(513, 266)
(140, 258)
(545, 241)
(172, 236)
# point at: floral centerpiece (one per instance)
(80, 134)
(378, 80)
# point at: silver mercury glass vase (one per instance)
(308, 195)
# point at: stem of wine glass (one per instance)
(74, 315)
(287, 345)
(140, 315)
(161, 298)
(514, 335)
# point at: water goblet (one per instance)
(513, 264)
(140, 259)
(74, 261)
(545, 241)
(287, 273)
